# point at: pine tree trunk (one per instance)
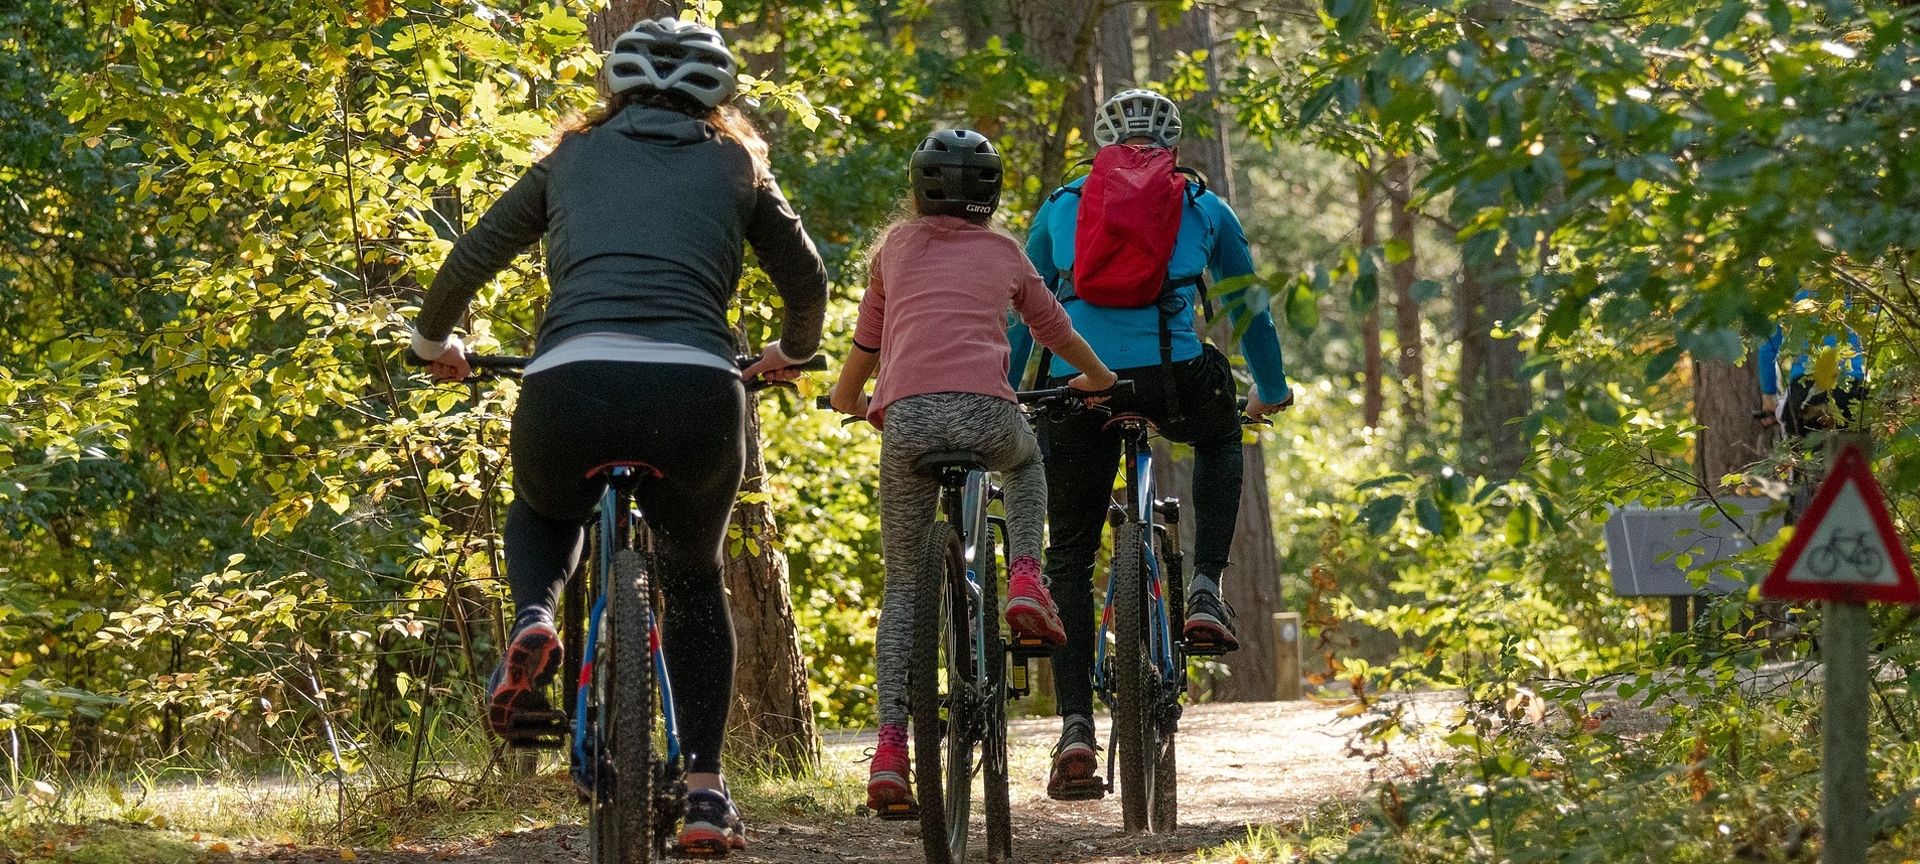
(1373, 401)
(1063, 32)
(604, 26)
(772, 710)
(1252, 584)
(1410, 340)
(1725, 395)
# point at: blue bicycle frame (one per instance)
(607, 542)
(1139, 508)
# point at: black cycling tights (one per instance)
(686, 421)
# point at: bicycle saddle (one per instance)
(1125, 417)
(936, 461)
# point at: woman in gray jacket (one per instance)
(645, 206)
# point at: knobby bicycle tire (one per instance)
(993, 745)
(630, 718)
(1135, 703)
(1166, 774)
(932, 768)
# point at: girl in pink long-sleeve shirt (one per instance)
(933, 322)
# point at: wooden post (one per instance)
(1286, 656)
(1844, 636)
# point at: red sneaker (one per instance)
(889, 792)
(519, 683)
(1030, 609)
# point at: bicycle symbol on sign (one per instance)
(1851, 550)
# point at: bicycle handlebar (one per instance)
(508, 364)
(1062, 394)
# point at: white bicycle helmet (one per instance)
(1134, 113)
(673, 56)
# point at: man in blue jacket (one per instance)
(1805, 406)
(1193, 400)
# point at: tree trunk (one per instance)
(1509, 393)
(604, 26)
(1062, 35)
(772, 710)
(1252, 584)
(1725, 395)
(1373, 401)
(1411, 342)
(1114, 64)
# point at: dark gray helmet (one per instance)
(673, 56)
(956, 172)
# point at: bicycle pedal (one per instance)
(1205, 648)
(1086, 789)
(538, 730)
(898, 812)
(1027, 647)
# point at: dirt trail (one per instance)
(1240, 765)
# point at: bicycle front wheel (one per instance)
(622, 817)
(942, 717)
(1135, 711)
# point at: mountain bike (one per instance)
(958, 677)
(1144, 677)
(617, 695)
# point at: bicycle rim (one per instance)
(1134, 699)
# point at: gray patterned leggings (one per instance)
(916, 425)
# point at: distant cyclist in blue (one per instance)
(1188, 391)
(1805, 406)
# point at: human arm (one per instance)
(1231, 258)
(792, 263)
(514, 222)
(1769, 363)
(1039, 252)
(850, 391)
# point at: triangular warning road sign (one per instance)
(1844, 548)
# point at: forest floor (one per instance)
(1242, 767)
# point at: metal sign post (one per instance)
(1844, 551)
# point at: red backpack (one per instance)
(1129, 222)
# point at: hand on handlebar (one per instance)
(1094, 384)
(451, 365)
(1258, 408)
(772, 367)
(854, 404)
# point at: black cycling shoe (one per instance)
(1209, 628)
(1076, 764)
(713, 827)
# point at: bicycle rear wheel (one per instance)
(1135, 700)
(622, 816)
(943, 753)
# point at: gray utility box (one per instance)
(1643, 544)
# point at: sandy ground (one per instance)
(1241, 765)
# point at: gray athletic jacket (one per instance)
(644, 218)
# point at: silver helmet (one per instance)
(1136, 113)
(673, 56)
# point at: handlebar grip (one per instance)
(824, 403)
(816, 363)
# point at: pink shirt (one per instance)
(938, 288)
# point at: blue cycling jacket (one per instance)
(1769, 361)
(1210, 239)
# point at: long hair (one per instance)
(726, 120)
